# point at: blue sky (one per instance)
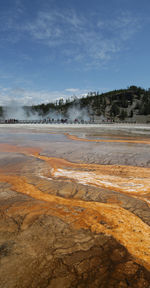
(59, 48)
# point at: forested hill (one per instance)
(128, 104)
(117, 104)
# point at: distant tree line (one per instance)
(117, 100)
(112, 104)
(1, 111)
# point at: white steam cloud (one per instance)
(78, 113)
(73, 114)
(14, 111)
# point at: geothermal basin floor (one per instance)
(75, 205)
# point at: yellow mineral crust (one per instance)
(135, 186)
(131, 180)
(136, 141)
(110, 219)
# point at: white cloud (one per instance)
(81, 38)
(72, 90)
(125, 25)
(22, 96)
(97, 41)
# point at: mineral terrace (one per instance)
(74, 206)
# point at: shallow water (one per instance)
(31, 139)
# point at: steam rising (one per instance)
(76, 113)
(72, 114)
(19, 113)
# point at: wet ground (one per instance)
(81, 192)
